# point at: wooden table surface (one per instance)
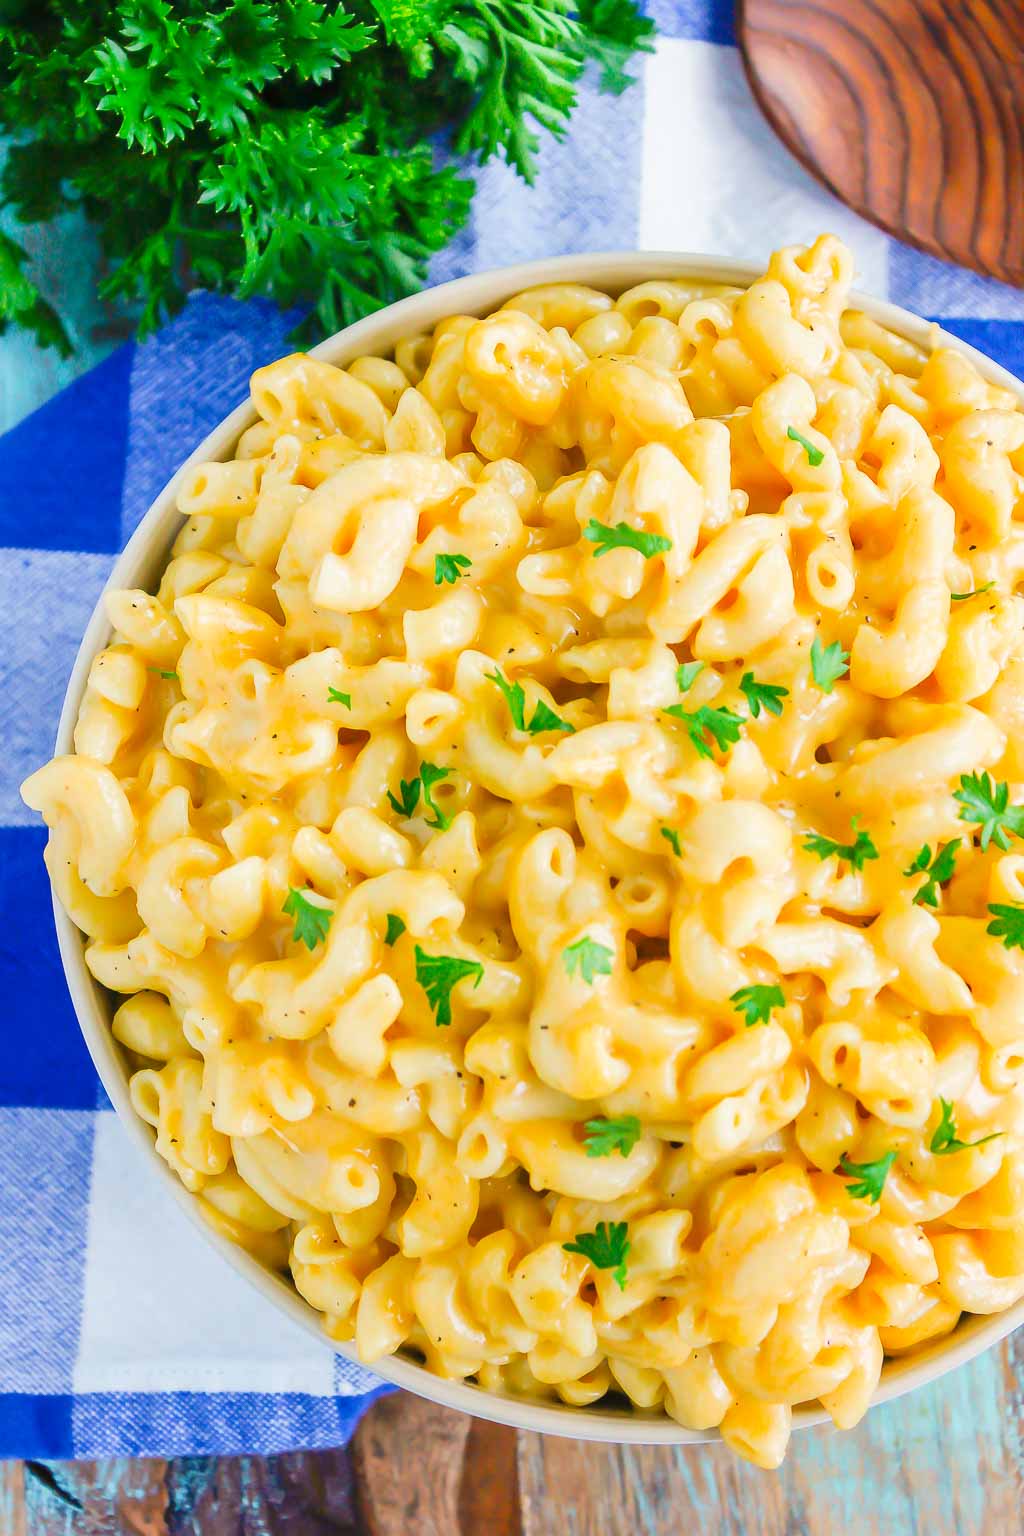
(946, 1461)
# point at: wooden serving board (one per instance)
(911, 111)
(946, 1461)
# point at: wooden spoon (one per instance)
(910, 111)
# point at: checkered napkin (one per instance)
(120, 1330)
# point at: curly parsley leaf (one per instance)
(408, 798)
(687, 674)
(513, 695)
(756, 1003)
(768, 696)
(721, 724)
(605, 1136)
(937, 871)
(856, 854)
(431, 774)
(868, 1178)
(617, 31)
(311, 153)
(814, 455)
(623, 536)
(987, 804)
(828, 664)
(395, 929)
(1007, 923)
(944, 1138)
(312, 920)
(671, 836)
(449, 568)
(962, 597)
(543, 717)
(335, 696)
(587, 958)
(409, 791)
(438, 974)
(607, 1247)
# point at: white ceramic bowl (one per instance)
(140, 566)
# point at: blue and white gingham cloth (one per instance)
(120, 1330)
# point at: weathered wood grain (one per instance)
(946, 1461)
(408, 1459)
(911, 111)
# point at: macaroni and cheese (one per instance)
(559, 828)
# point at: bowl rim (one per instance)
(141, 561)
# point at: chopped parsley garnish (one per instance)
(814, 455)
(671, 836)
(687, 673)
(409, 793)
(450, 567)
(395, 929)
(171, 677)
(623, 536)
(937, 871)
(756, 1003)
(962, 597)
(1007, 923)
(311, 919)
(605, 1136)
(723, 724)
(543, 717)
(335, 696)
(944, 1138)
(869, 1177)
(438, 974)
(607, 1247)
(987, 804)
(828, 664)
(768, 696)
(587, 958)
(856, 854)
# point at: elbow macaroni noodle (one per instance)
(517, 823)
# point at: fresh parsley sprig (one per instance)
(312, 920)
(438, 974)
(543, 717)
(587, 958)
(868, 1178)
(828, 664)
(607, 1135)
(450, 567)
(944, 1138)
(1007, 923)
(607, 1247)
(856, 854)
(624, 536)
(312, 153)
(755, 1003)
(814, 455)
(987, 804)
(962, 597)
(721, 724)
(409, 791)
(395, 929)
(687, 674)
(937, 871)
(767, 696)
